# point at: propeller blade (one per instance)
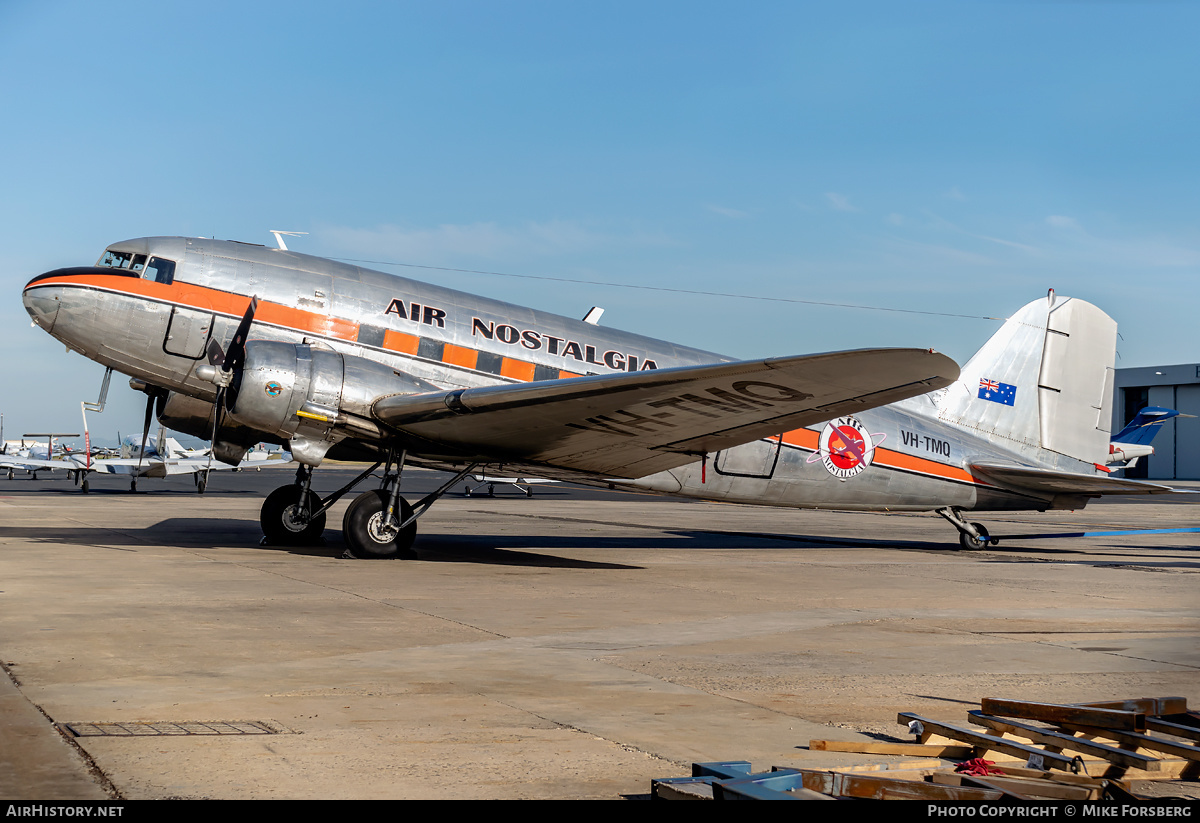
(230, 362)
(236, 356)
(146, 428)
(216, 354)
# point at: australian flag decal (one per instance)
(1005, 393)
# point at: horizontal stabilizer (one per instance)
(1049, 481)
(634, 424)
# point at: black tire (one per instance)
(276, 518)
(364, 538)
(84, 486)
(974, 543)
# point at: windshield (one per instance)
(122, 260)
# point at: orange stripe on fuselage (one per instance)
(222, 302)
(810, 440)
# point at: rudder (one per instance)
(1044, 380)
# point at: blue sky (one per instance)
(940, 157)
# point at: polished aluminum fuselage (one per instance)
(161, 333)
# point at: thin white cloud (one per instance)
(839, 202)
(736, 214)
(483, 240)
(942, 224)
(954, 194)
(1059, 221)
(914, 250)
(1010, 243)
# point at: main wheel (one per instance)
(368, 537)
(84, 486)
(202, 482)
(280, 524)
(973, 543)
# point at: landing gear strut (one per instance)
(378, 524)
(381, 524)
(971, 536)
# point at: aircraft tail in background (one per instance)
(1134, 440)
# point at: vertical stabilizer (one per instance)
(1044, 380)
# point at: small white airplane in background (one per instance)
(34, 457)
(164, 457)
(522, 483)
(167, 458)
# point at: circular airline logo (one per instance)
(273, 389)
(845, 447)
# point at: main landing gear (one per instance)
(971, 536)
(379, 524)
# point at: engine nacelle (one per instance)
(195, 417)
(312, 397)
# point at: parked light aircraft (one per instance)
(164, 458)
(33, 457)
(340, 361)
(524, 484)
(167, 458)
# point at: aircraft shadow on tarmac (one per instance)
(526, 550)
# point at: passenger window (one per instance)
(160, 270)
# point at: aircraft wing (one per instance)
(631, 425)
(33, 463)
(157, 467)
(150, 467)
(1049, 481)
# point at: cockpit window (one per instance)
(123, 260)
(160, 270)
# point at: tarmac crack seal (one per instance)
(97, 774)
(625, 746)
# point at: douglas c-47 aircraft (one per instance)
(240, 343)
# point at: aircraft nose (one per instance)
(41, 303)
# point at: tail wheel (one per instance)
(369, 537)
(974, 543)
(280, 519)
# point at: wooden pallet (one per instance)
(1037, 752)
(1153, 737)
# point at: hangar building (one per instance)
(1177, 447)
